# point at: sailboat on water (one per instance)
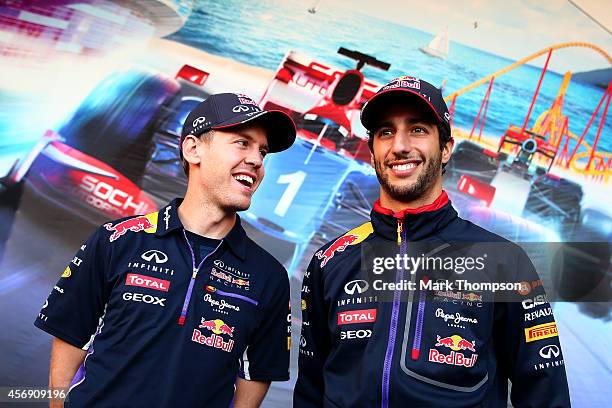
(438, 47)
(315, 8)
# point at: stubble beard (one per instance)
(416, 190)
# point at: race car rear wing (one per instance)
(301, 74)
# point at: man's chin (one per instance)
(238, 206)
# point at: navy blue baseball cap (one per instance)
(226, 110)
(410, 87)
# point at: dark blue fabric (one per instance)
(202, 246)
(342, 363)
(141, 356)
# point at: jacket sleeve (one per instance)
(314, 341)
(528, 344)
(73, 310)
(266, 357)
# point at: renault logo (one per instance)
(358, 286)
(157, 256)
(550, 351)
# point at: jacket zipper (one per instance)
(401, 241)
(194, 274)
(418, 331)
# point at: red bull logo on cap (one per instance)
(456, 343)
(146, 223)
(353, 237)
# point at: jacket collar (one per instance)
(418, 223)
(169, 221)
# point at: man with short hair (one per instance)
(415, 344)
(179, 308)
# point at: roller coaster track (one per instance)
(526, 60)
(603, 168)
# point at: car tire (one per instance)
(114, 122)
(555, 200)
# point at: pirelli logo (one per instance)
(541, 331)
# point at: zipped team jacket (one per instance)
(425, 347)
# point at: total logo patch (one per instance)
(357, 316)
(67, 272)
(149, 282)
(218, 328)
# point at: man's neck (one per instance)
(386, 201)
(201, 217)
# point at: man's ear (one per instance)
(447, 150)
(190, 151)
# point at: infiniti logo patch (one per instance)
(156, 256)
(358, 286)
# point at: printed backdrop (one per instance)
(94, 94)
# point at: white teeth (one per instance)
(244, 177)
(402, 167)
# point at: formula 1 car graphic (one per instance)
(116, 156)
(517, 178)
(107, 159)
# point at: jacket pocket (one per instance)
(453, 346)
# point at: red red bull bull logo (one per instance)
(472, 297)
(240, 282)
(455, 343)
(136, 224)
(218, 328)
(454, 358)
(353, 237)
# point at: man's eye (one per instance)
(419, 129)
(263, 153)
(385, 132)
(242, 142)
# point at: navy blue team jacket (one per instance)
(162, 331)
(425, 347)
